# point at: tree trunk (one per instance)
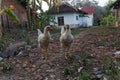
(1, 32)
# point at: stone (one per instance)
(52, 76)
(20, 53)
(79, 69)
(44, 65)
(20, 78)
(99, 76)
(117, 53)
(1, 54)
(51, 70)
(46, 78)
(17, 65)
(1, 68)
(25, 64)
(28, 47)
(38, 77)
(33, 66)
(33, 69)
(1, 58)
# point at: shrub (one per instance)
(108, 20)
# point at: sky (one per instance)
(100, 2)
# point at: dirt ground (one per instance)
(95, 42)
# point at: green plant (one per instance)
(22, 34)
(27, 39)
(108, 20)
(85, 75)
(8, 11)
(111, 68)
(5, 66)
(4, 42)
(68, 71)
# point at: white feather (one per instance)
(39, 31)
(62, 30)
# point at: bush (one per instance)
(109, 20)
(4, 42)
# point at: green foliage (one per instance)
(68, 71)
(111, 68)
(4, 42)
(109, 20)
(6, 66)
(27, 38)
(107, 6)
(22, 34)
(44, 16)
(12, 15)
(85, 75)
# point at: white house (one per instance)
(90, 14)
(67, 14)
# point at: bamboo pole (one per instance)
(28, 16)
(34, 14)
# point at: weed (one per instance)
(85, 75)
(68, 71)
(111, 68)
(6, 66)
(4, 42)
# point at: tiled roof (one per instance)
(66, 8)
(88, 10)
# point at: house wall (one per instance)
(70, 18)
(90, 20)
(84, 21)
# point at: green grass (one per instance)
(76, 31)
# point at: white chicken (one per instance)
(43, 40)
(66, 39)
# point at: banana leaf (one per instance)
(12, 15)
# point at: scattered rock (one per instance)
(33, 66)
(23, 54)
(44, 66)
(1, 68)
(1, 58)
(96, 73)
(28, 47)
(33, 69)
(79, 69)
(117, 53)
(51, 70)
(17, 65)
(46, 78)
(25, 64)
(52, 76)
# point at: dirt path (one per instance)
(33, 67)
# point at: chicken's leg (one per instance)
(44, 53)
(67, 53)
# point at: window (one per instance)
(76, 17)
(60, 21)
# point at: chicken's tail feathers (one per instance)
(62, 30)
(39, 31)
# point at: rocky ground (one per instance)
(90, 51)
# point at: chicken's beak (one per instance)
(67, 27)
(51, 27)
